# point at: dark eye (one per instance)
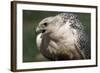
(45, 24)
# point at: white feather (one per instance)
(39, 40)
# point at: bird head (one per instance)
(49, 24)
(43, 25)
(60, 23)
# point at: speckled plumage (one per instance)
(62, 37)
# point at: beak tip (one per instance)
(37, 29)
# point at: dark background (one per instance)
(30, 22)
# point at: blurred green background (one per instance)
(30, 22)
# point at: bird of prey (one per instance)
(62, 37)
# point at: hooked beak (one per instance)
(38, 30)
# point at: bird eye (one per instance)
(45, 24)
